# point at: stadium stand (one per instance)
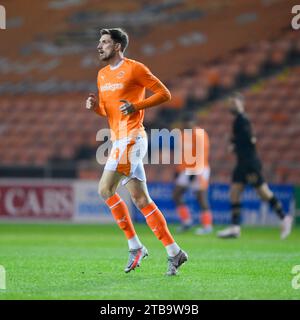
(275, 113)
(46, 74)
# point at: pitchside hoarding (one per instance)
(78, 201)
(255, 212)
(74, 200)
(90, 207)
(22, 199)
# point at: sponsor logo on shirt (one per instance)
(111, 87)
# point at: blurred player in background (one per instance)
(248, 170)
(198, 181)
(122, 84)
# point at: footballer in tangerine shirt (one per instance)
(121, 85)
(195, 147)
(193, 173)
(127, 81)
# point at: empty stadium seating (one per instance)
(36, 128)
(275, 118)
(56, 43)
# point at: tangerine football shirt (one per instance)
(128, 81)
(190, 141)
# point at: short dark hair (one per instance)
(118, 35)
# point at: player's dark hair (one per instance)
(118, 35)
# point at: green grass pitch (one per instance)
(65, 261)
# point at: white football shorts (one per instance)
(196, 183)
(126, 157)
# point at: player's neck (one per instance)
(115, 61)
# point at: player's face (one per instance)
(106, 48)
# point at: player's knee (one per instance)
(177, 201)
(265, 196)
(105, 192)
(177, 198)
(174, 194)
(140, 198)
(141, 201)
(234, 196)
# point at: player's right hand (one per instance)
(91, 102)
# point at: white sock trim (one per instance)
(115, 204)
(150, 213)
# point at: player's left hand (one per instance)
(127, 107)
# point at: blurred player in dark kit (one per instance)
(248, 170)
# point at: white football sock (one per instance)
(134, 243)
(172, 249)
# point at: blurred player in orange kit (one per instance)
(122, 84)
(194, 175)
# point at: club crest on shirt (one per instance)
(120, 74)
